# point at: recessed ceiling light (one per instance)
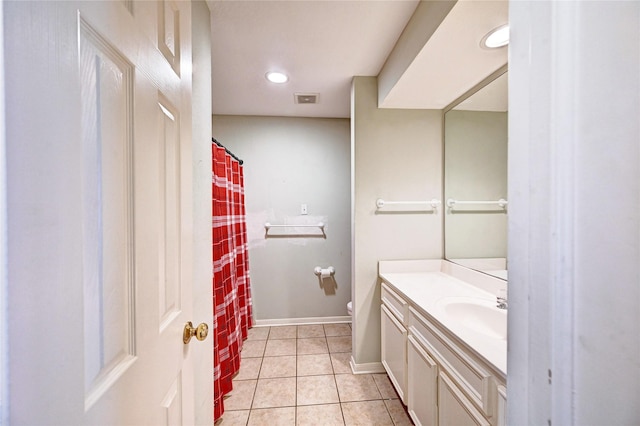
(277, 77)
(497, 37)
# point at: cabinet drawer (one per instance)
(470, 376)
(395, 304)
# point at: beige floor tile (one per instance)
(319, 415)
(339, 344)
(233, 418)
(397, 412)
(283, 332)
(385, 386)
(249, 369)
(280, 347)
(359, 387)
(258, 333)
(314, 345)
(253, 348)
(366, 413)
(241, 396)
(285, 416)
(306, 331)
(341, 362)
(272, 393)
(313, 365)
(337, 330)
(278, 366)
(312, 390)
(305, 378)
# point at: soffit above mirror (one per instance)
(451, 60)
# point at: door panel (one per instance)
(168, 177)
(172, 404)
(106, 87)
(169, 33)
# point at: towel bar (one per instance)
(320, 225)
(501, 202)
(380, 203)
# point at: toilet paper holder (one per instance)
(324, 273)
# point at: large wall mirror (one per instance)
(475, 181)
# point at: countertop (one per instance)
(425, 285)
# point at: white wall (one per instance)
(201, 145)
(396, 156)
(574, 213)
(289, 162)
(475, 169)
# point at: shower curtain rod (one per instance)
(228, 152)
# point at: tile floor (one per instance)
(300, 375)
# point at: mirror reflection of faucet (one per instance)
(501, 299)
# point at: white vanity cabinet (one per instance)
(447, 384)
(445, 374)
(394, 339)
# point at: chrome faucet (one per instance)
(501, 299)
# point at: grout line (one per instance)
(295, 410)
(334, 374)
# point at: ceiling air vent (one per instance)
(306, 98)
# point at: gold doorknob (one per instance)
(199, 332)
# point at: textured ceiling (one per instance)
(321, 45)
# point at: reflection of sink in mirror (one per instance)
(479, 315)
(496, 266)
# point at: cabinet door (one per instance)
(454, 408)
(502, 406)
(422, 385)
(394, 351)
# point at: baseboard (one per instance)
(366, 368)
(302, 321)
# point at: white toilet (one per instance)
(350, 308)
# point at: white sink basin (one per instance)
(479, 315)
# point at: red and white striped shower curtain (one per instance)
(232, 316)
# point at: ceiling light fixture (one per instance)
(277, 77)
(497, 37)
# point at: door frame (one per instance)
(4, 371)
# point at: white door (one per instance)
(99, 212)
